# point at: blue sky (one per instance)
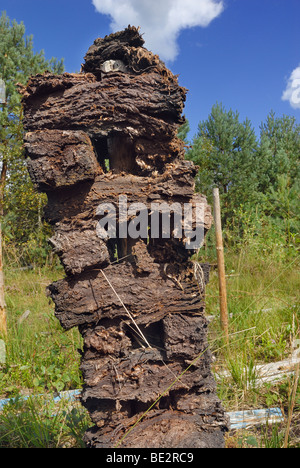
(242, 54)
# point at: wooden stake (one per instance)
(3, 176)
(3, 324)
(292, 406)
(221, 264)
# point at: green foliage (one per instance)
(225, 150)
(20, 204)
(41, 359)
(40, 355)
(41, 423)
(279, 181)
(18, 62)
(263, 307)
(258, 179)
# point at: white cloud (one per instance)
(292, 92)
(160, 20)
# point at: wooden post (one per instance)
(3, 324)
(3, 319)
(221, 264)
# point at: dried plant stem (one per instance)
(291, 407)
(127, 311)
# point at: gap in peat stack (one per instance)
(115, 153)
(100, 145)
(154, 334)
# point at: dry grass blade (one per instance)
(127, 311)
(292, 406)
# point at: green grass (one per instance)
(40, 355)
(41, 358)
(40, 423)
(263, 307)
(263, 300)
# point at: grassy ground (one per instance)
(263, 300)
(40, 355)
(41, 359)
(264, 316)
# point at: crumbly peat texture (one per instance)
(92, 137)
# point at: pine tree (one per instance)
(225, 151)
(279, 183)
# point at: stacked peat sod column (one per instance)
(91, 137)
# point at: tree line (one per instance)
(257, 176)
